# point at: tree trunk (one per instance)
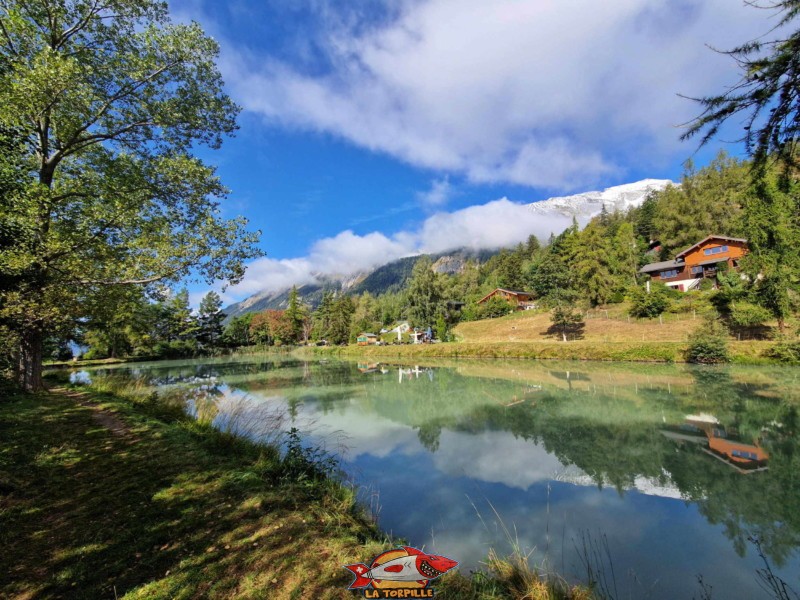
(29, 371)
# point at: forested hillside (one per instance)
(567, 274)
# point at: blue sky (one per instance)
(370, 127)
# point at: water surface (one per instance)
(655, 474)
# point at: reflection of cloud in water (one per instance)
(495, 457)
(373, 435)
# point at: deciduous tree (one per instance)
(109, 98)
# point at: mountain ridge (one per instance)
(391, 276)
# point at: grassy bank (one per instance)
(608, 334)
(102, 496)
(751, 352)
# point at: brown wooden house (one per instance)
(519, 300)
(698, 262)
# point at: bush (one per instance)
(176, 349)
(648, 305)
(709, 344)
(494, 307)
(745, 314)
(785, 352)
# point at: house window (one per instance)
(697, 270)
(717, 250)
(669, 274)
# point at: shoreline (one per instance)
(107, 494)
(747, 352)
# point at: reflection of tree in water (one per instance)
(615, 441)
(612, 439)
(429, 436)
(610, 453)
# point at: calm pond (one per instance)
(652, 474)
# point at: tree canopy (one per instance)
(765, 95)
(108, 100)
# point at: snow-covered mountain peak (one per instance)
(588, 204)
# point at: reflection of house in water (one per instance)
(369, 367)
(719, 442)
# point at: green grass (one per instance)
(105, 496)
(160, 508)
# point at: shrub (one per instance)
(494, 307)
(709, 344)
(303, 464)
(648, 305)
(785, 352)
(745, 314)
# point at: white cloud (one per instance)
(495, 224)
(499, 223)
(541, 93)
(439, 193)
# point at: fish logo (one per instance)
(400, 573)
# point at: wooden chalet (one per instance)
(698, 262)
(519, 300)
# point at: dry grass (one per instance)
(601, 326)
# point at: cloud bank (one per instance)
(541, 93)
(496, 224)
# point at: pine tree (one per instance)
(773, 263)
(591, 261)
(708, 202)
(181, 323)
(209, 320)
(424, 294)
(297, 314)
(322, 316)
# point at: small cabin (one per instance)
(698, 262)
(367, 339)
(517, 299)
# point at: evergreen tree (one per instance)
(591, 262)
(766, 94)
(707, 202)
(322, 316)
(340, 319)
(645, 217)
(626, 253)
(297, 314)
(181, 323)
(424, 294)
(771, 217)
(209, 321)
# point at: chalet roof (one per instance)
(367, 335)
(514, 292)
(660, 266)
(711, 237)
